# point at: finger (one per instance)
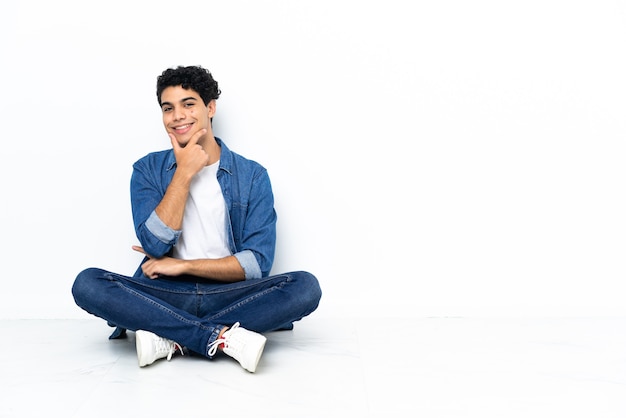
(174, 142)
(148, 269)
(149, 273)
(196, 137)
(139, 249)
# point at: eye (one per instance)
(166, 108)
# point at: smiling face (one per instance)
(184, 113)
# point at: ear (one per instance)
(211, 108)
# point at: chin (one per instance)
(182, 141)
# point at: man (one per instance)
(205, 219)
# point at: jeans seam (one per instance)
(159, 306)
(244, 302)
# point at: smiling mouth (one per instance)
(182, 127)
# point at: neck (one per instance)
(211, 147)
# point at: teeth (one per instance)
(182, 127)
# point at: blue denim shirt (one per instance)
(251, 224)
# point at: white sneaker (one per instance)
(151, 347)
(244, 346)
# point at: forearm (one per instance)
(172, 207)
(225, 269)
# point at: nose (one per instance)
(179, 113)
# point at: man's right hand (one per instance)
(191, 158)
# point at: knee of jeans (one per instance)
(312, 286)
(85, 284)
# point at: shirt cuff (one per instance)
(163, 232)
(249, 264)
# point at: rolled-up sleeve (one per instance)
(249, 264)
(162, 232)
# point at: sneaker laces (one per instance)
(215, 344)
(165, 346)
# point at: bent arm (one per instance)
(225, 269)
(148, 187)
(159, 192)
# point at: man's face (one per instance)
(184, 113)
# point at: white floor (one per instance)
(430, 367)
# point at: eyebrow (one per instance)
(183, 100)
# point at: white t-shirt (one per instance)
(204, 223)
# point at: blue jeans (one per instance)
(193, 311)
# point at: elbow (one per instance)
(154, 247)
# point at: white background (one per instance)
(428, 158)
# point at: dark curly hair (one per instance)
(193, 77)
